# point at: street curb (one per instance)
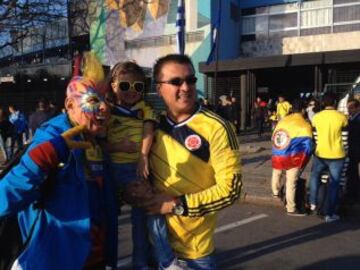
(260, 200)
(348, 210)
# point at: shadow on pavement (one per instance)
(245, 161)
(231, 258)
(254, 138)
(346, 262)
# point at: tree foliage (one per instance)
(19, 17)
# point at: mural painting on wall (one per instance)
(123, 25)
(132, 13)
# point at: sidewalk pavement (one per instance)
(256, 171)
(256, 168)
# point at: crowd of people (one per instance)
(16, 128)
(109, 147)
(317, 130)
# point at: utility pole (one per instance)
(217, 49)
(68, 6)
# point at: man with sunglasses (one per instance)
(194, 162)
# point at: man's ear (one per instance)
(69, 104)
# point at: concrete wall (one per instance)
(306, 44)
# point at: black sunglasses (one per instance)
(125, 86)
(191, 80)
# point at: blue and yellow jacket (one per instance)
(61, 235)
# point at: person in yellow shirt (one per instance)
(129, 137)
(282, 108)
(194, 164)
(330, 134)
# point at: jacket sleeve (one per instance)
(225, 160)
(20, 186)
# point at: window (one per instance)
(282, 21)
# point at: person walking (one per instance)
(41, 115)
(18, 119)
(291, 150)
(260, 113)
(331, 135)
(6, 133)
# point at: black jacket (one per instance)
(354, 135)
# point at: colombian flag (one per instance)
(292, 143)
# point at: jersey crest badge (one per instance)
(193, 142)
(281, 139)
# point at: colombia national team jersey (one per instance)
(330, 133)
(128, 123)
(199, 160)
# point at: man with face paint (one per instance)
(76, 228)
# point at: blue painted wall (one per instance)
(229, 29)
(259, 3)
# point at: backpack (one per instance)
(11, 242)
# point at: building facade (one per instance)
(40, 63)
(288, 47)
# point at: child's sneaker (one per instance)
(332, 218)
(313, 209)
(177, 265)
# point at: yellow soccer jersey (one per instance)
(328, 128)
(199, 160)
(283, 109)
(128, 123)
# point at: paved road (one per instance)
(257, 237)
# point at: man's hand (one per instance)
(160, 203)
(136, 192)
(72, 132)
(125, 145)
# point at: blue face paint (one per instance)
(90, 102)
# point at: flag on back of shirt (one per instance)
(180, 27)
(214, 35)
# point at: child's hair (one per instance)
(125, 68)
(119, 69)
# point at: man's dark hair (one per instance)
(355, 102)
(170, 58)
(329, 99)
(297, 106)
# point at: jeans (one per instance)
(260, 125)
(17, 139)
(123, 174)
(335, 168)
(204, 263)
(3, 147)
(158, 233)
